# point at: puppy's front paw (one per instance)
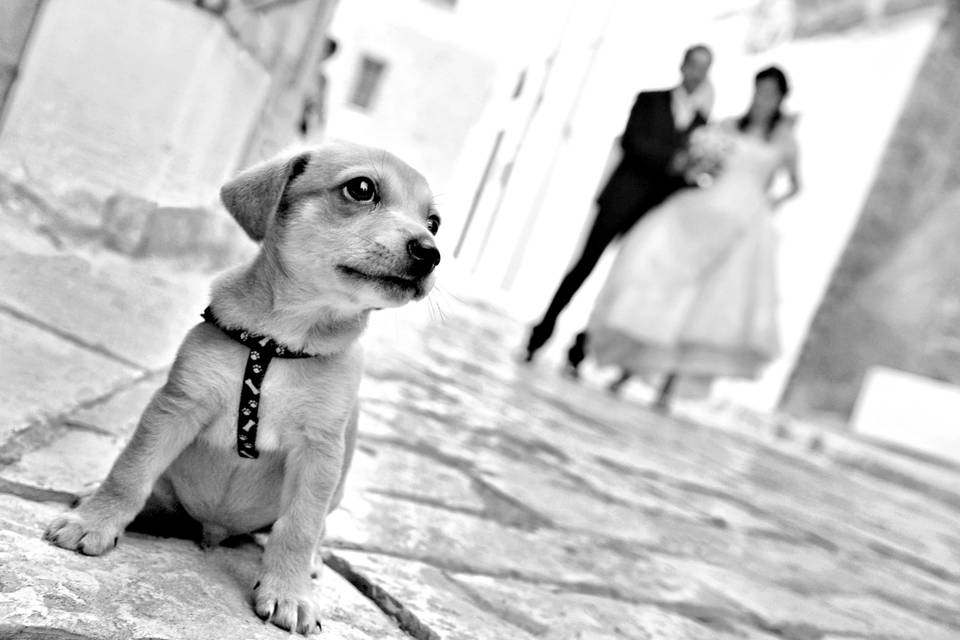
(290, 608)
(89, 536)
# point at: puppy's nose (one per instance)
(425, 255)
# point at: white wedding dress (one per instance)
(693, 289)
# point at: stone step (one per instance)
(149, 587)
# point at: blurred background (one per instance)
(120, 120)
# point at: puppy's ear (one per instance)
(254, 196)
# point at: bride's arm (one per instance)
(790, 167)
(793, 177)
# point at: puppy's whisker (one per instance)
(438, 289)
(434, 308)
(443, 316)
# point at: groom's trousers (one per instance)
(603, 232)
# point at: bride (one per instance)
(692, 293)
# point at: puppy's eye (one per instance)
(360, 189)
(433, 224)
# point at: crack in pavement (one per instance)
(468, 569)
(529, 446)
(879, 471)
(408, 621)
(40, 632)
(427, 502)
(892, 553)
(791, 531)
(511, 616)
(937, 613)
(41, 432)
(37, 494)
(498, 506)
(71, 338)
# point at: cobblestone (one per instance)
(488, 500)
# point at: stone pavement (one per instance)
(488, 500)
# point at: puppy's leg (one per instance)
(284, 593)
(169, 423)
(350, 443)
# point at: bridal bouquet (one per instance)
(708, 149)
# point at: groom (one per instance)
(650, 170)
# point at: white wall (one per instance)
(447, 86)
(151, 97)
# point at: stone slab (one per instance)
(555, 614)
(119, 414)
(646, 511)
(44, 375)
(884, 619)
(150, 587)
(468, 543)
(434, 598)
(818, 611)
(387, 469)
(417, 531)
(482, 607)
(74, 463)
(129, 311)
(778, 607)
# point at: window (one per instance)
(369, 78)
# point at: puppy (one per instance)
(255, 426)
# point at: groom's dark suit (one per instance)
(640, 182)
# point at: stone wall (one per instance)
(814, 17)
(159, 98)
(129, 116)
(893, 300)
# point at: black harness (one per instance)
(262, 351)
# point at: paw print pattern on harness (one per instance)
(262, 351)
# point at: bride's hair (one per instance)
(780, 78)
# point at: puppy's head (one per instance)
(345, 223)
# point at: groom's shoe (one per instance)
(575, 355)
(578, 350)
(539, 335)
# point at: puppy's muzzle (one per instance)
(424, 256)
